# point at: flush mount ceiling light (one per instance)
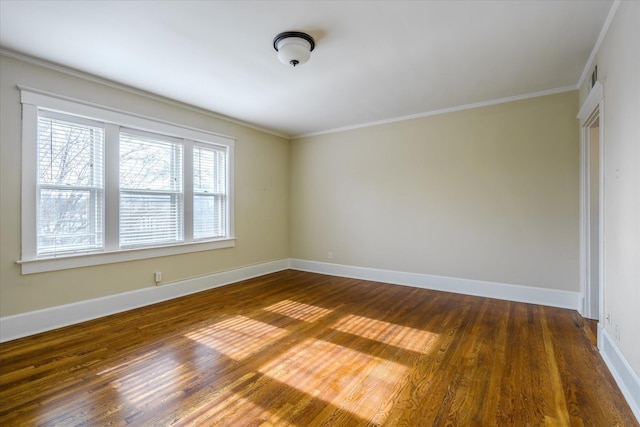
(293, 47)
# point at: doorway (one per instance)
(592, 143)
(592, 213)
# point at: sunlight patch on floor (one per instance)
(298, 310)
(347, 379)
(117, 368)
(387, 333)
(136, 384)
(238, 337)
(236, 411)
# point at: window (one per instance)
(70, 191)
(151, 196)
(103, 186)
(209, 198)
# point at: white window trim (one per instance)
(32, 99)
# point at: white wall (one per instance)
(618, 61)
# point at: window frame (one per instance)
(33, 100)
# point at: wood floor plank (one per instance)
(300, 349)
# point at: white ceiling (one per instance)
(374, 60)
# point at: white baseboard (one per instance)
(24, 324)
(503, 291)
(626, 378)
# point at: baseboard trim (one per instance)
(503, 291)
(626, 378)
(30, 323)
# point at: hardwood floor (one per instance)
(302, 349)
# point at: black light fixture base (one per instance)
(298, 34)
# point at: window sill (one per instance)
(41, 265)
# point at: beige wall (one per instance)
(618, 61)
(489, 194)
(261, 205)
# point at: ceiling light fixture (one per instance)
(293, 47)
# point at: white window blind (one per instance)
(209, 192)
(151, 191)
(70, 193)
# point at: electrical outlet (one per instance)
(158, 277)
(329, 255)
(609, 318)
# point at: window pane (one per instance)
(67, 220)
(208, 217)
(209, 170)
(150, 164)
(151, 199)
(209, 187)
(147, 219)
(69, 153)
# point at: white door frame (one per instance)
(592, 108)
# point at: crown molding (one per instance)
(443, 111)
(139, 92)
(596, 47)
